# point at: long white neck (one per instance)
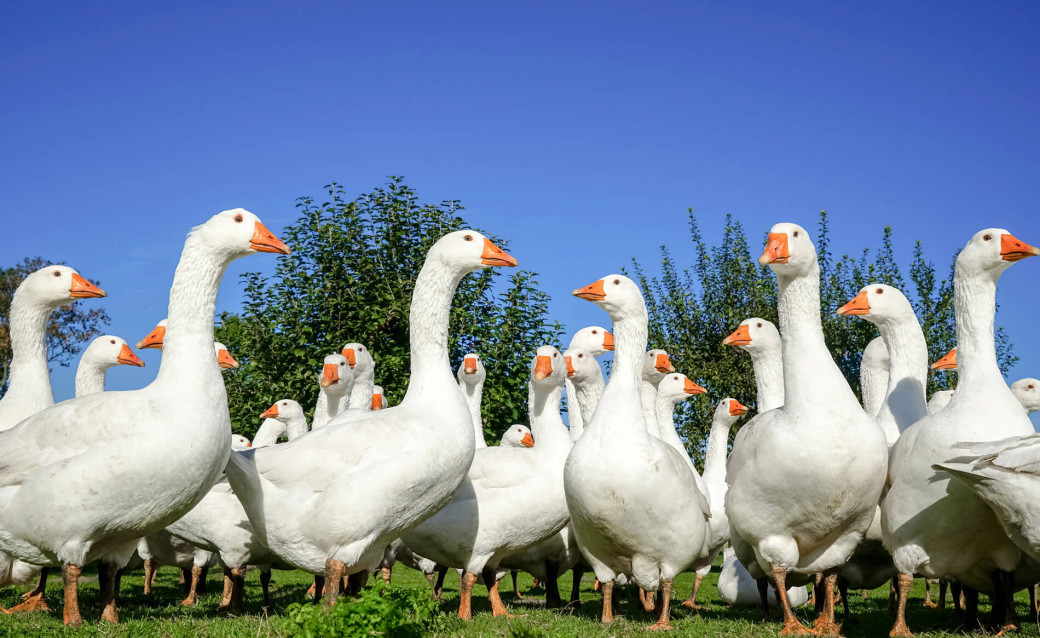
(361, 393)
(873, 382)
(575, 411)
(328, 406)
(809, 370)
(769, 378)
(269, 432)
(474, 393)
(30, 382)
(587, 394)
(296, 427)
(715, 454)
(90, 377)
(664, 409)
(974, 301)
(547, 426)
(648, 401)
(431, 304)
(630, 332)
(905, 402)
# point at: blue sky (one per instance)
(579, 132)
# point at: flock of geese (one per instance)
(818, 488)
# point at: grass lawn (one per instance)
(160, 615)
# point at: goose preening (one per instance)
(935, 526)
(471, 375)
(595, 341)
(335, 382)
(512, 498)
(121, 465)
(634, 503)
(330, 502)
(820, 444)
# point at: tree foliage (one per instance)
(350, 277)
(693, 308)
(69, 328)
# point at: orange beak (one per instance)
(377, 402)
(570, 366)
(740, 337)
(265, 241)
(82, 288)
(949, 362)
(329, 375)
(271, 413)
(542, 368)
(736, 408)
(495, 256)
(664, 364)
(527, 441)
(154, 339)
(859, 305)
(592, 292)
(351, 357)
(469, 365)
(608, 341)
(225, 360)
(777, 251)
(249, 445)
(128, 358)
(1013, 249)
(693, 388)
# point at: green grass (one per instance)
(160, 614)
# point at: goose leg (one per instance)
(843, 590)
(466, 595)
(971, 607)
(225, 598)
(1032, 602)
(439, 588)
(943, 584)
(900, 628)
(957, 594)
(203, 589)
(663, 621)
(608, 605)
(691, 602)
(498, 608)
(825, 624)
(792, 627)
(516, 592)
(1003, 612)
(34, 600)
(763, 594)
(928, 594)
(552, 585)
(184, 579)
(70, 578)
(576, 573)
(193, 596)
(149, 575)
(265, 584)
(317, 588)
(238, 591)
(333, 581)
(108, 583)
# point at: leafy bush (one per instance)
(392, 611)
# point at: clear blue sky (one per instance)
(580, 132)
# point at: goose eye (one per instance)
(617, 282)
(758, 325)
(360, 349)
(468, 237)
(1029, 387)
(238, 219)
(57, 273)
(112, 341)
(554, 356)
(796, 233)
(880, 291)
(285, 403)
(987, 237)
(581, 356)
(595, 332)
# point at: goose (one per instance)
(738, 588)
(239, 442)
(112, 461)
(940, 399)
(644, 517)
(219, 523)
(656, 364)
(906, 374)
(364, 366)
(386, 471)
(932, 525)
(596, 341)
(1027, 391)
(680, 389)
(873, 376)
(39, 294)
(379, 401)
(726, 414)
(335, 382)
(155, 340)
(471, 375)
(821, 444)
(512, 498)
(517, 436)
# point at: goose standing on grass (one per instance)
(726, 414)
(335, 382)
(596, 341)
(471, 375)
(820, 444)
(634, 502)
(935, 526)
(330, 502)
(121, 465)
(873, 378)
(512, 498)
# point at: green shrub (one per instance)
(392, 611)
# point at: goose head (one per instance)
(1027, 391)
(224, 358)
(754, 335)
(789, 251)
(656, 364)
(55, 286)
(992, 251)
(109, 350)
(284, 410)
(581, 365)
(616, 294)
(336, 376)
(948, 362)
(878, 304)
(468, 250)
(237, 233)
(239, 442)
(677, 387)
(728, 411)
(548, 368)
(378, 398)
(595, 340)
(155, 337)
(471, 370)
(359, 357)
(517, 436)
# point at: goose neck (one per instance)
(648, 401)
(474, 394)
(715, 453)
(361, 391)
(543, 406)
(575, 411)
(907, 371)
(769, 379)
(428, 335)
(90, 378)
(268, 433)
(27, 322)
(975, 307)
(588, 392)
(296, 427)
(623, 389)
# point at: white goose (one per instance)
(656, 364)
(364, 368)
(821, 444)
(379, 401)
(512, 499)
(471, 375)
(634, 503)
(219, 523)
(112, 462)
(932, 525)
(386, 471)
(39, 294)
(595, 341)
(335, 382)
(1027, 391)
(517, 436)
(873, 378)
